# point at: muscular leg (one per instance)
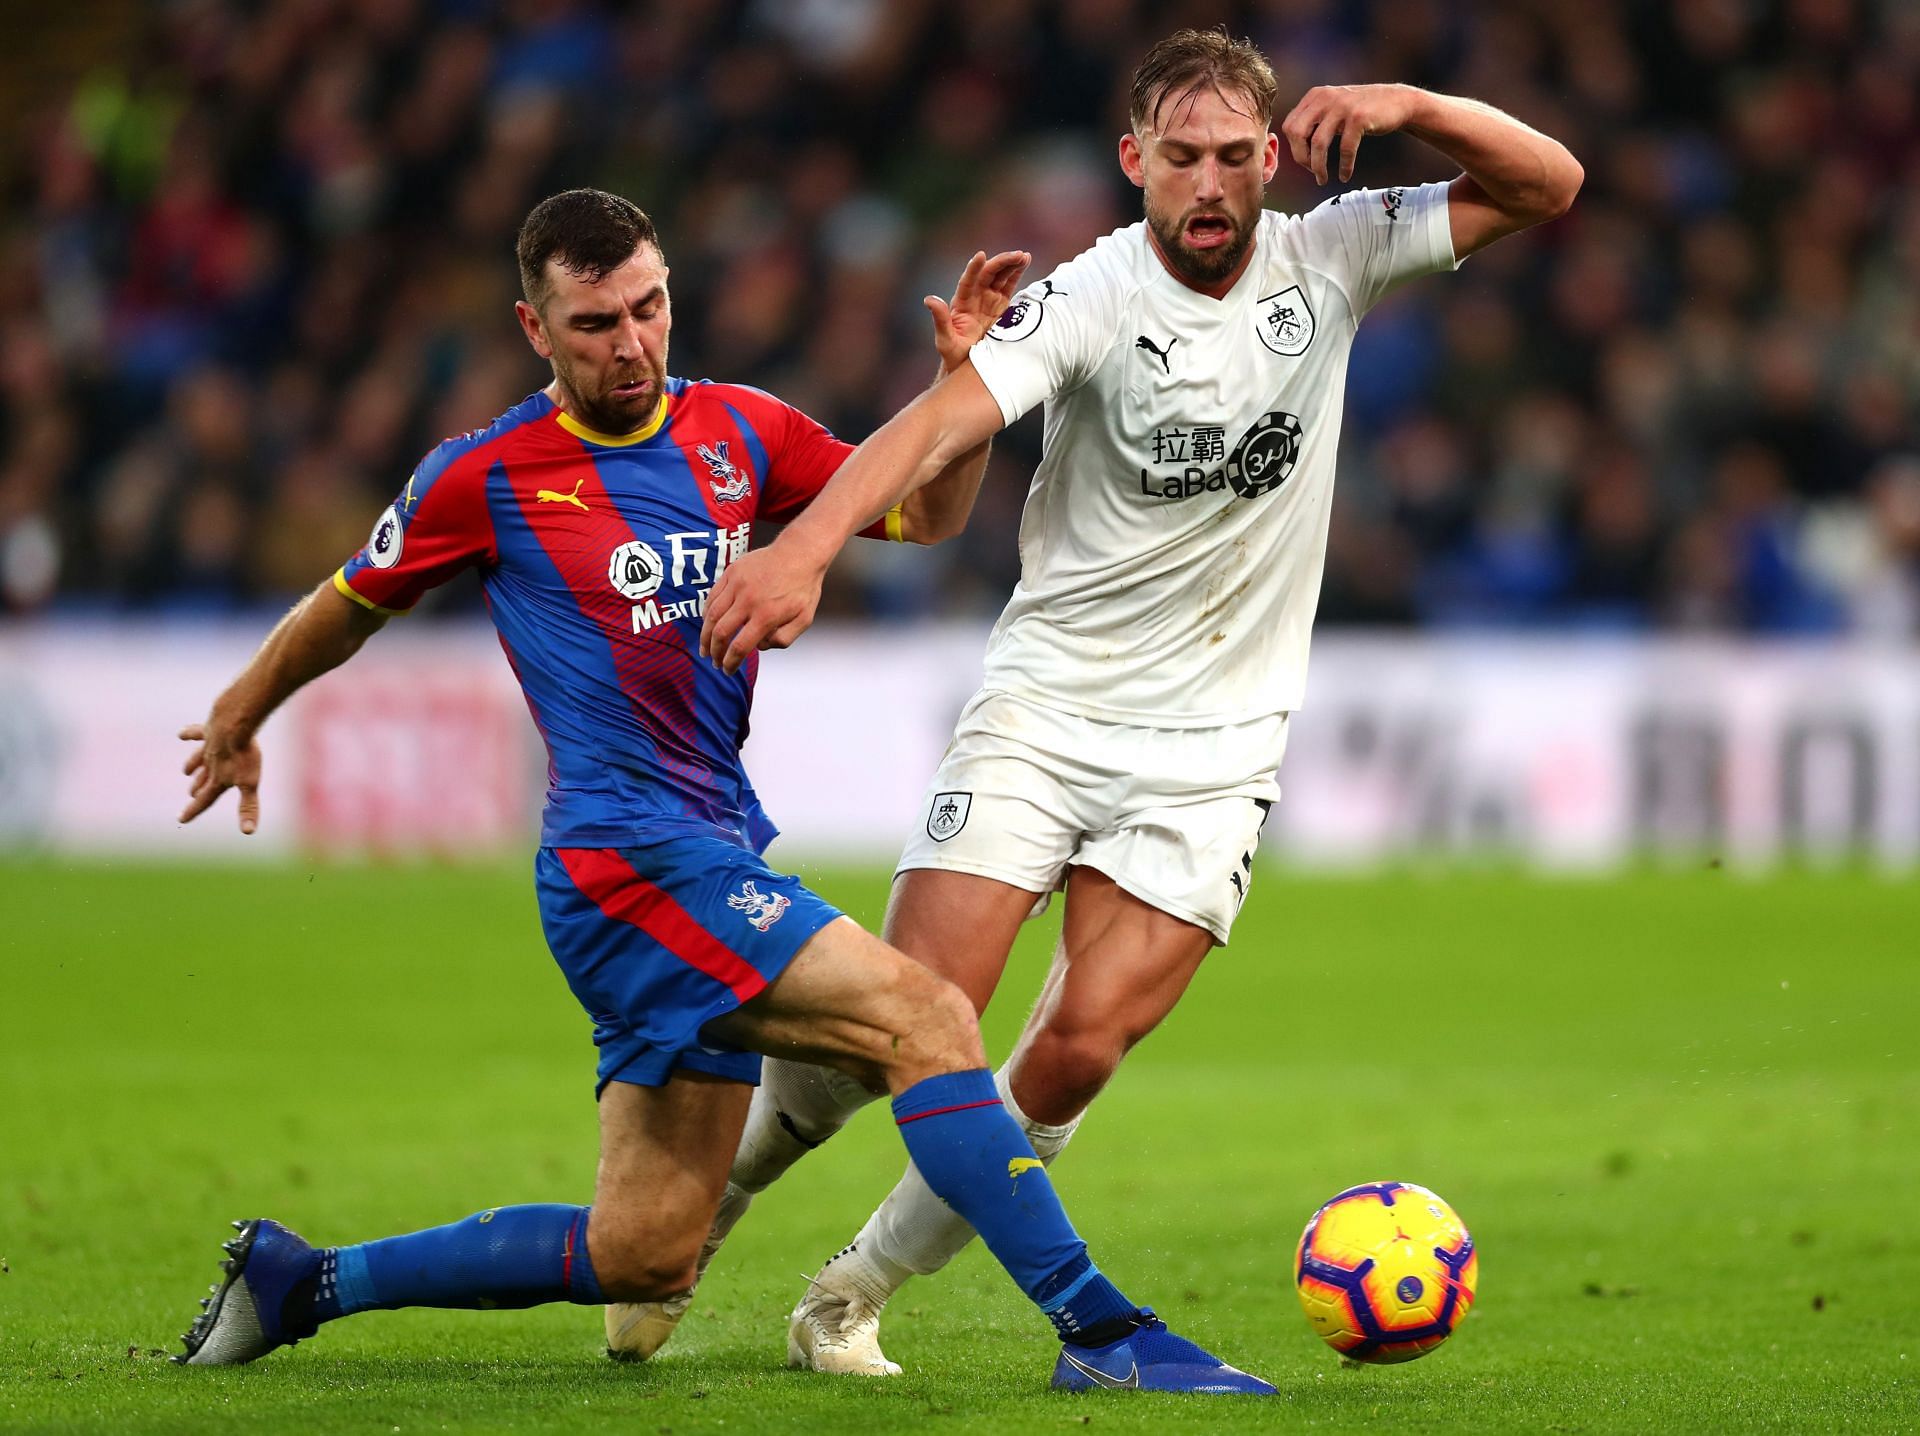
(664, 1154)
(960, 926)
(852, 1001)
(661, 1170)
(1120, 967)
(663, 1166)
(857, 1004)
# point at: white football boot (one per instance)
(637, 1329)
(836, 1326)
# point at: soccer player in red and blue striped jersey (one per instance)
(600, 512)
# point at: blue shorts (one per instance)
(658, 941)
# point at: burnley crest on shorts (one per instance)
(948, 815)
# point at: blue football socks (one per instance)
(977, 1160)
(505, 1257)
(971, 1153)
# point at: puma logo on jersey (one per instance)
(1017, 1165)
(553, 496)
(1157, 352)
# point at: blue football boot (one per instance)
(245, 1317)
(1151, 1358)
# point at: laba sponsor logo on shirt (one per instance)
(1264, 459)
(1261, 462)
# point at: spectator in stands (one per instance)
(258, 250)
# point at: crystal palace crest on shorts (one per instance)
(761, 909)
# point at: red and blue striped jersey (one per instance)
(596, 554)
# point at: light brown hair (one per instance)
(1192, 60)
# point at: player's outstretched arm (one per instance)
(322, 631)
(767, 598)
(1515, 176)
(939, 510)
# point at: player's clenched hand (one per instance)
(1343, 114)
(986, 288)
(765, 599)
(222, 760)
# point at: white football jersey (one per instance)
(1174, 537)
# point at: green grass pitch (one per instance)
(1680, 1113)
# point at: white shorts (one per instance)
(1170, 814)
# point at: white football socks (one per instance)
(796, 1107)
(913, 1232)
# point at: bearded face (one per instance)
(614, 394)
(607, 340)
(1205, 243)
(1203, 162)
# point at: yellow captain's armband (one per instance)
(896, 523)
(346, 591)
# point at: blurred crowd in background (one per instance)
(257, 258)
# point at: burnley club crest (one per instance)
(1285, 323)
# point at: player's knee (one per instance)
(955, 1023)
(941, 1033)
(1107, 1031)
(1084, 1052)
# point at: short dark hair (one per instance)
(587, 232)
(1190, 60)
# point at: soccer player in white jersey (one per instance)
(1124, 745)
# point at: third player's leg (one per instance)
(1120, 967)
